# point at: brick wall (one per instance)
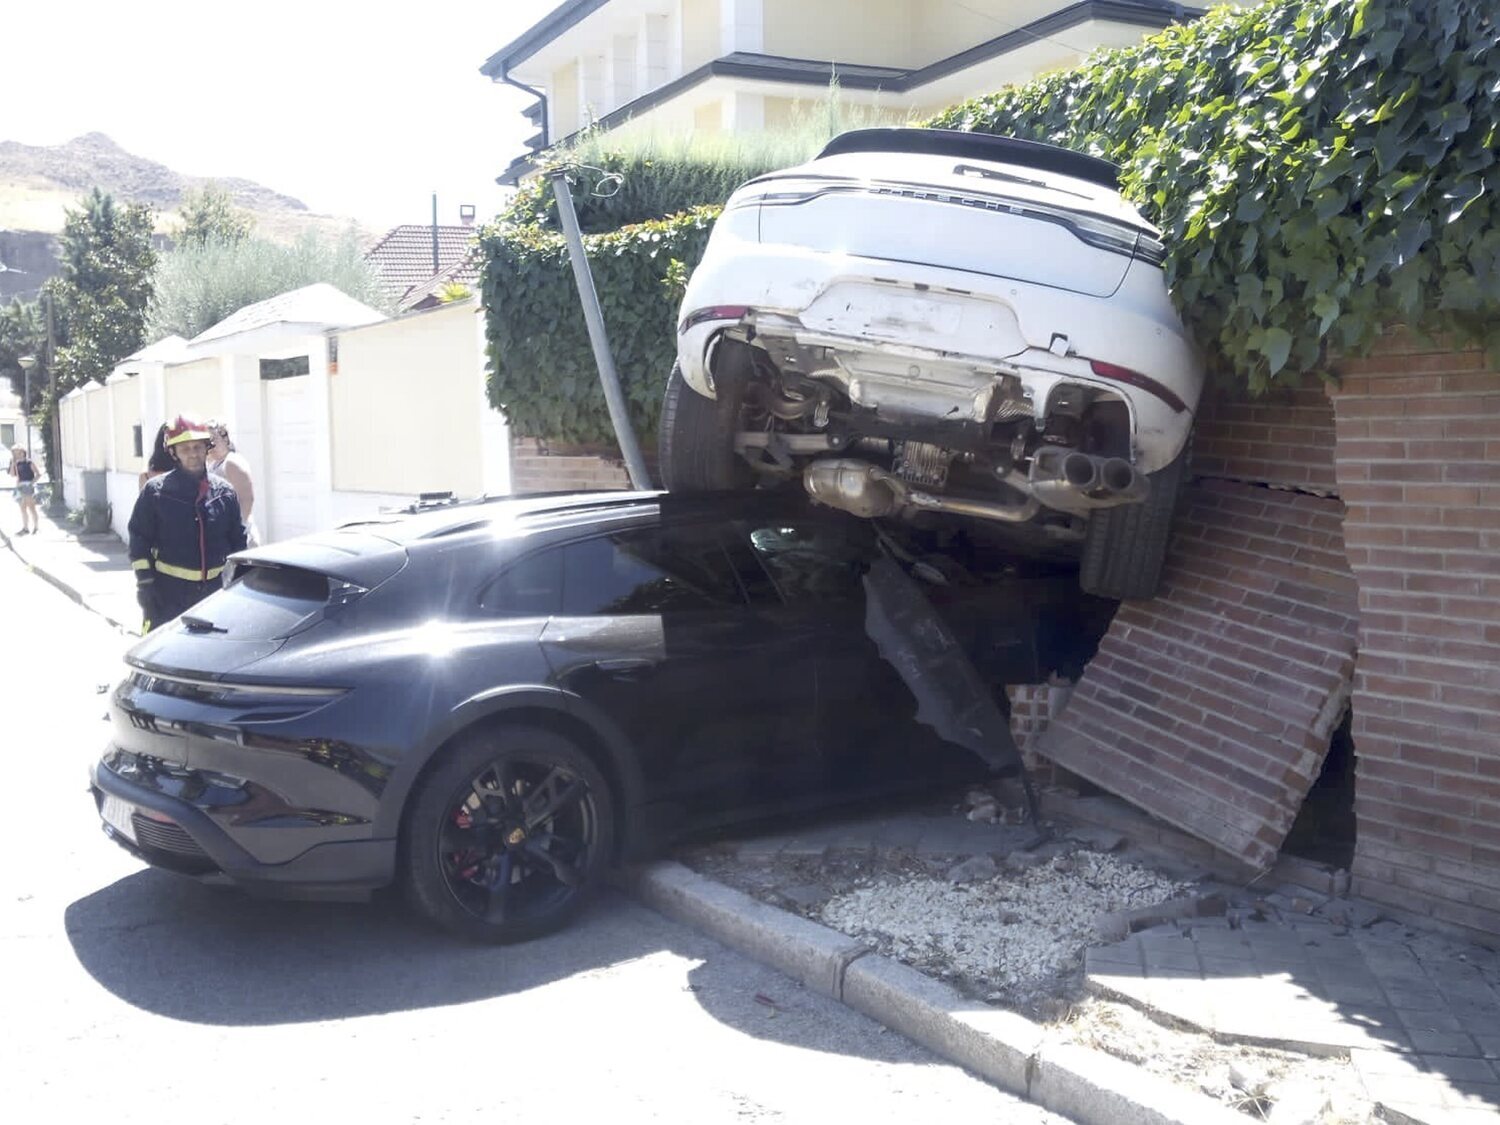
(1032, 709)
(1418, 466)
(1284, 438)
(534, 467)
(1211, 706)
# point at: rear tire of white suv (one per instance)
(695, 449)
(1125, 547)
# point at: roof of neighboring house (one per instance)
(403, 258)
(465, 271)
(311, 309)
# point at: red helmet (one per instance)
(183, 429)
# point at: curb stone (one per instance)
(804, 950)
(1095, 1088)
(8, 543)
(1000, 1046)
(995, 1044)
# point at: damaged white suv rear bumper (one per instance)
(921, 320)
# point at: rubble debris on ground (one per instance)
(1013, 929)
(1262, 1082)
(1006, 931)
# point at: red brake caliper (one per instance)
(462, 819)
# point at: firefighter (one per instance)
(184, 525)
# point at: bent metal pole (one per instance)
(635, 464)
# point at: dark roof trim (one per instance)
(1143, 13)
(538, 36)
(1139, 13)
(978, 146)
(775, 68)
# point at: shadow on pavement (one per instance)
(216, 956)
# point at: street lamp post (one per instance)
(27, 362)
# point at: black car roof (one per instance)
(547, 510)
(978, 146)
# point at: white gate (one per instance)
(290, 445)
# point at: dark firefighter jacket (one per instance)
(185, 527)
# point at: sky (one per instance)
(359, 109)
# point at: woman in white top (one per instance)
(223, 461)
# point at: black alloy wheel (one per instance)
(508, 835)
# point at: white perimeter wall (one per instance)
(123, 488)
(404, 412)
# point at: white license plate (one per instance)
(116, 814)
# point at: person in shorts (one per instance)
(24, 469)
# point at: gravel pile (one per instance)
(1007, 931)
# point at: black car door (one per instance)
(656, 632)
(869, 736)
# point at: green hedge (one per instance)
(542, 370)
(1321, 168)
(648, 189)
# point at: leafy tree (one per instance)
(208, 214)
(22, 332)
(199, 284)
(104, 288)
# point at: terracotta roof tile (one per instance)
(403, 258)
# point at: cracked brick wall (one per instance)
(1211, 706)
(1419, 467)
(1284, 438)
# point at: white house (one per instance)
(340, 411)
(744, 65)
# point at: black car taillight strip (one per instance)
(228, 686)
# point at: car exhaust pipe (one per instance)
(868, 491)
(1071, 481)
(1122, 481)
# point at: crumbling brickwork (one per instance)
(533, 468)
(1284, 438)
(1211, 706)
(1419, 467)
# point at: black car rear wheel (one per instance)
(508, 835)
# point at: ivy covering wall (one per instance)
(542, 370)
(1320, 170)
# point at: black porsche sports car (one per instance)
(490, 702)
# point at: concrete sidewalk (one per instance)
(92, 569)
(1289, 963)
(1306, 967)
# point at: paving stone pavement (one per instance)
(1418, 1014)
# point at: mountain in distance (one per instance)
(39, 182)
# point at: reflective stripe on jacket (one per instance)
(185, 526)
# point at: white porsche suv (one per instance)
(922, 320)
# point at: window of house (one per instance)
(7, 435)
(284, 368)
(137, 440)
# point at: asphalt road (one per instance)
(133, 995)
